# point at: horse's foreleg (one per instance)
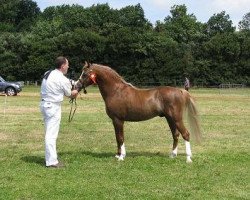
(121, 151)
(175, 135)
(186, 136)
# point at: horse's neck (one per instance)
(106, 92)
(108, 85)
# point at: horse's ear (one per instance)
(86, 64)
(89, 64)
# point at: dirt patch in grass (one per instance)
(3, 136)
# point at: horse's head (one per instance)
(88, 77)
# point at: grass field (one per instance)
(220, 168)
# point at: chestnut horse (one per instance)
(124, 102)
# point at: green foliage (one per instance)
(220, 23)
(208, 53)
(181, 26)
(244, 24)
(17, 15)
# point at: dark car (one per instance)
(10, 88)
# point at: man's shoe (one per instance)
(58, 165)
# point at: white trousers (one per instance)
(52, 118)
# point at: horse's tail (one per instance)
(193, 118)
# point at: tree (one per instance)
(17, 15)
(244, 24)
(13, 54)
(27, 12)
(133, 16)
(219, 23)
(8, 11)
(223, 53)
(181, 26)
(209, 53)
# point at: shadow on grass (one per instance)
(111, 155)
(40, 160)
(33, 159)
(86, 153)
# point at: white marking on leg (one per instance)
(189, 159)
(174, 153)
(188, 151)
(123, 150)
(123, 153)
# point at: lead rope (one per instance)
(73, 101)
(71, 115)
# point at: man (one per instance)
(186, 84)
(54, 86)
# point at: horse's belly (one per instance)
(130, 111)
(140, 116)
(137, 119)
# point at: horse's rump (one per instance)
(177, 103)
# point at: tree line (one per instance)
(208, 53)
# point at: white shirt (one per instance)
(55, 87)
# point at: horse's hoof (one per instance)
(172, 155)
(120, 157)
(189, 160)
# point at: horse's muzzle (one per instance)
(80, 86)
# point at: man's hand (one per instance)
(74, 94)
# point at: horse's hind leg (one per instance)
(186, 136)
(175, 135)
(119, 134)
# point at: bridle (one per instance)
(87, 75)
(83, 87)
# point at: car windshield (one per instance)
(1, 79)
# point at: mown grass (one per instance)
(220, 168)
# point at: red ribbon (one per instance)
(93, 78)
